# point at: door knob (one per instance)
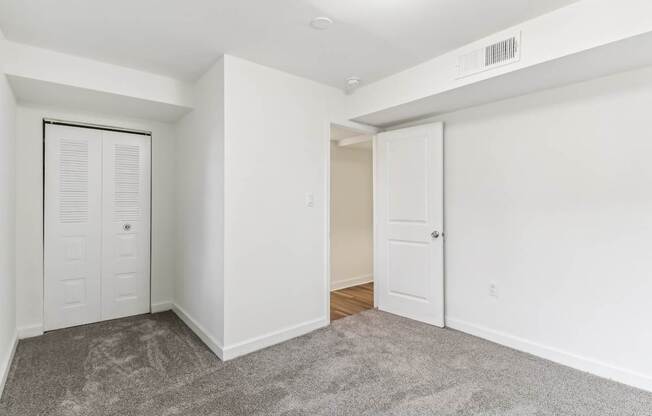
(434, 234)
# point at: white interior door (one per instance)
(409, 244)
(125, 225)
(97, 225)
(72, 263)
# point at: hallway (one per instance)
(351, 301)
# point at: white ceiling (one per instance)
(182, 38)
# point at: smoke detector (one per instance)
(321, 23)
(352, 84)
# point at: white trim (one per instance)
(354, 281)
(374, 173)
(273, 338)
(568, 359)
(353, 125)
(251, 345)
(199, 330)
(30, 331)
(54, 121)
(166, 305)
(354, 140)
(6, 363)
(327, 220)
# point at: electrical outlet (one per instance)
(493, 290)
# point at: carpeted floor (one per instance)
(368, 364)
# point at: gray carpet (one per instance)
(369, 364)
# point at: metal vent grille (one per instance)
(501, 52)
(73, 181)
(497, 54)
(126, 159)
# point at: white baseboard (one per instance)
(258, 343)
(354, 281)
(5, 363)
(577, 362)
(199, 330)
(157, 307)
(251, 345)
(30, 331)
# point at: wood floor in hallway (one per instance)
(352, 300)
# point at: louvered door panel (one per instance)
(125, 225)
(72, 226)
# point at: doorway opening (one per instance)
(351, 222)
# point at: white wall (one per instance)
(29, 203)
(351, 216)
(277, 139)
(7, 222)
(550, 197)
(199, 291)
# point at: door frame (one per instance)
(373, 131)
(363, 130)
(59, 122)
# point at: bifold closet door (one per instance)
(73, 218)
(97, 225)
(125, 225)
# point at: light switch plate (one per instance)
(310, 200)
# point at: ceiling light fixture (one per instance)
(321, 23)
(352, 83)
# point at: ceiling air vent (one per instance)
(497, 54)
